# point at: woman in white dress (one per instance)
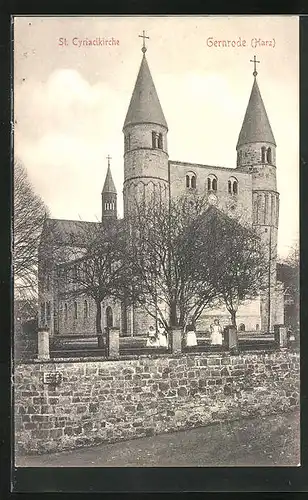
(191, 339)
(162, 335)
(152, 340)
(216, 333)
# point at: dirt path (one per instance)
(266, 441)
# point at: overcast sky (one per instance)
(71, 102)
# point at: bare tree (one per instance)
(98, 269)
(189, 256)
(241, 267)
(289, 274)
(293, 258)
(29, 215)
(165, 258)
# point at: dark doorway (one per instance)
(109, 317)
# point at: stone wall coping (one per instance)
(87, 359)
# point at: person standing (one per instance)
(216, 333)
(191, 339)
(152, 340)
(162, 335)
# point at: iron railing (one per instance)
(74, 345)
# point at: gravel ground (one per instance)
(267, 441)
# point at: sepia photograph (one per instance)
(156, 241)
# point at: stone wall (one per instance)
(105, 401)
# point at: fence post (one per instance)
(176, 340)
(101, 341)
(281, 336)
(231, 338)
(43, 343)
(113, 343)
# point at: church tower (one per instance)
(256, 153)
(145, 141)
(109, 196)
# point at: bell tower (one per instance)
(145, 141)
(256, 154)
(109, 196)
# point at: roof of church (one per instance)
(201, 165)
(68, 232)
(109, 186)
(256, 126)
(59, 233)
(144, 105)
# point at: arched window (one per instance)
(239, 157)
(127, 142)
(191, 180)
(75, 310)
(155, 137)
(75, 272)
(65, 312)
(160, 141)
(263, 151)
(241, 327)
(257, 327)
(43, 312)
(233, 186)
(85, 309)
(269, 155)
(212, 182)
(109, 317)
(48, 312)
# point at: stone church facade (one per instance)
(247, 191)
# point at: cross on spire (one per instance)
(254, 61)
(144, 49)
(108, 158)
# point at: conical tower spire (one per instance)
(109, 186)
(256, 126)
(109, 196)
(145, 133)
(144, 105)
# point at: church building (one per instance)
(247, 191)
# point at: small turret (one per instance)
(109, 196)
